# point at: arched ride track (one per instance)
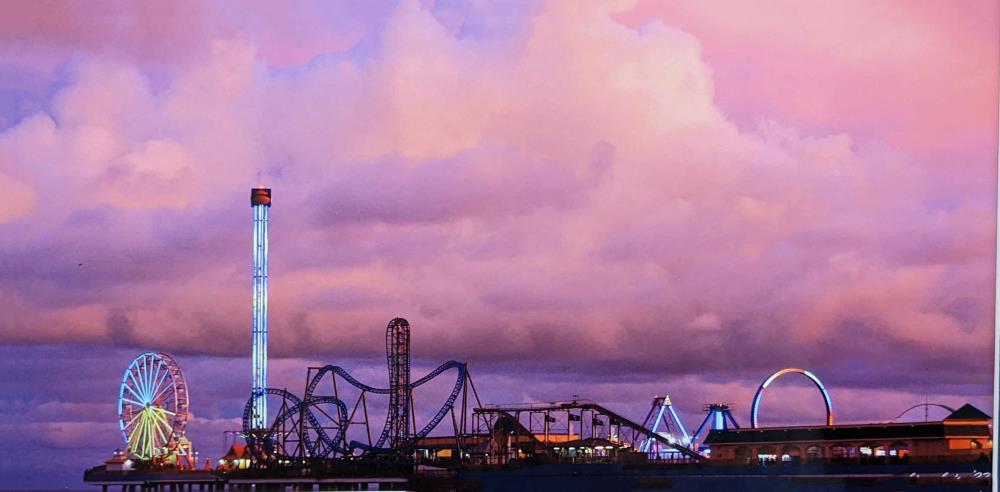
(434, 421)
(296, 416)
(926, 407)
(296, 431)
(812, 377)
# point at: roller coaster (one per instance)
(318, 427)
(517, 430)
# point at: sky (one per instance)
(614, 200)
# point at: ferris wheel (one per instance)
(152, 405)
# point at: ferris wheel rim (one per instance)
(152, 404)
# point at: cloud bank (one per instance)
(638, 195)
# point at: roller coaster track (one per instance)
(340, 371)
(434, 421)
(302, 407)
(622, 421)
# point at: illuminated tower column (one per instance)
(260, 202)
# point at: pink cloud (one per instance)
(913, 74)
(488, 172)
(683, 206)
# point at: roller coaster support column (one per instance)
(397, 346)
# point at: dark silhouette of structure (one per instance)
(397, 350)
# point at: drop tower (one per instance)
(260, 202)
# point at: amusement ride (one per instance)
(153, 408)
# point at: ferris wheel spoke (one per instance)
(143, 440)
(168, 426)
(159, 381)
(143, 386)
(158, 413)
(135, 438)
(150, 441)
(159, 377)
(144, 434)
(137, 385)
(155, 378)
(130, 422)
(133, 402)
(166, 430)
(140, 377)
(157, 423)
(161, 391)
(147, 374)
(165, 411)
(164, 427)
(133, 432)
(133, 391)
(150, 371)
